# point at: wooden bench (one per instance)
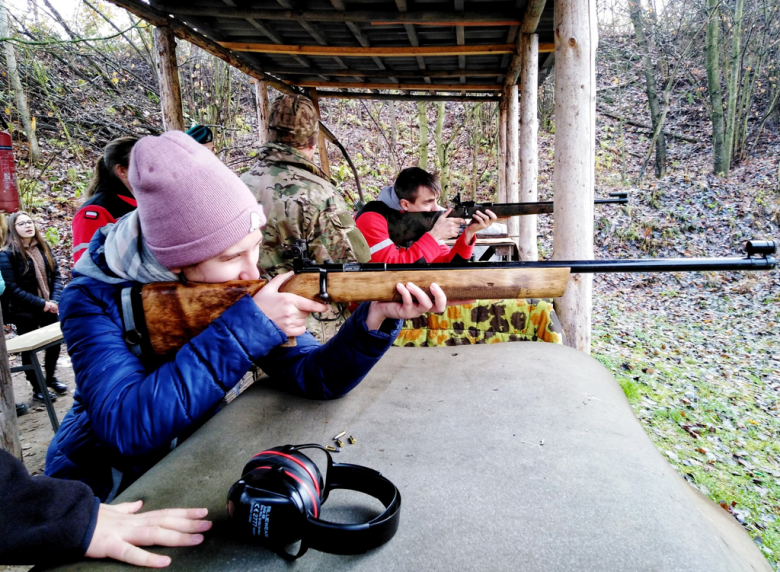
(501, 246)
(35, 342)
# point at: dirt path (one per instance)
(35, 427)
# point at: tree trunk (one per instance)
(441, 153)
(733, 84)
(16, 86)
(476, 136)
(261, 97)
(321, 144)
(9, 430)
(501, 165)
(422, 118)
(720, 162)
(393, 136)
(529, 130)
(650, 87)
(512, 156)
(168, 72)
(576, 38)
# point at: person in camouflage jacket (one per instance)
(299, 200)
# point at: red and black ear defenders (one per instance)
(278, 502)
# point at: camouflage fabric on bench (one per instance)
(485, 322)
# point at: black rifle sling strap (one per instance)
(132, 333)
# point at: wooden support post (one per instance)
(512, 156)
(529, 127)
(9, 430)
(261, 96)
(168, 72)
(323, 147)
(576, 38)
(501, 166)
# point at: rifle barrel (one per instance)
(635, 265)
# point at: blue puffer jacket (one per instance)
(127, 411)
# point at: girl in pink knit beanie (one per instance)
(195, 221)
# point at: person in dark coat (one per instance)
(108, 195)
(196, 221)
(69, 521)
(33, 288)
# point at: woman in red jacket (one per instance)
(109, 196)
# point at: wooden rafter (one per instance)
(359, 36)
(460, 38)
(383, 73)
(392, 52)
(412, 35)
(153, 16)
(470, 18)
(263, 29)
(533, 14)
(402, 86)
(403, 96)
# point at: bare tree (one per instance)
(16, 86)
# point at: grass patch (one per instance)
(707, 393)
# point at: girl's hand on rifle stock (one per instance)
(288, 311)
(407, 308)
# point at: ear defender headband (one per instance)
(278, 501)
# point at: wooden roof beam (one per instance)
(157, 18)
(383, 74)
(359, 36)
(460, 38)
(385, 52)
(313, 30)
(443, 18)
(270, 35)
(403, 96)
(533, 13)
(511, 38)
(412, 34)
(402, 86)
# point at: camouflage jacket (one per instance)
(301, 203)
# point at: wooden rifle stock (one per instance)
(175, 312)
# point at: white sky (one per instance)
(68, 9)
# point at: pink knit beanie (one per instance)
(190, 205)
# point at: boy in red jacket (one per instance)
(416, 190)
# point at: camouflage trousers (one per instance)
(325, 330)
(484, 322)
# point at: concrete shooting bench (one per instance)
(34, 342)
(517, 456)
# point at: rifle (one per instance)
(175, 312)
(405, 227)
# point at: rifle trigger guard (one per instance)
(324, 296)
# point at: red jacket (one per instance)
(374, 228)
(110, 203)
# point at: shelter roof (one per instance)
(450, 48)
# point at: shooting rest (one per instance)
(460, 432)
